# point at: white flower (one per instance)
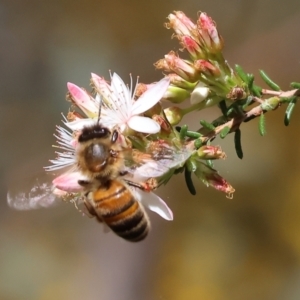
(199, 94)
(68, 182)
(66, 143)
(119, 107)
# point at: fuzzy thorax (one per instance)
(99, 158)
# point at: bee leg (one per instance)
(144, 186)
(83, 183)
(147, 186)
(91, 210)
(113, 153)
(123, 173)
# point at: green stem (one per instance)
(196, 106)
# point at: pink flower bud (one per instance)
(140, 89)
(102, 87)
(180, 23)
(187, 22)
(183, 68)
(211, 177)
(100, 84)
(192, 47)
(208, 33)
(82, 99)
(207, 68)
(163, 123)
(211, 152)
(162, 64)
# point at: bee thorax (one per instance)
(96, 157)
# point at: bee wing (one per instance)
(32, 194)
(153, 168)
(154, 203)
(161, 163)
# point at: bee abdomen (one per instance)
(134, 224)
(123, 214)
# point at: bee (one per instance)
(112, 184)
(108, 196)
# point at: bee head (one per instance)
(94, 132)
(97, 151)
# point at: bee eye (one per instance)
(114, 136)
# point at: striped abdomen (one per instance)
(117, 207)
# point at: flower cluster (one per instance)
(205, 78)
(157, 149)
(147, 130)
(119, 110)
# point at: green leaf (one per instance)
(295, 85)
(189, 181)
(238, 144)
(209, 163)
(224, 132)
(250, 80)
(231, 111)
(207, 125)
(183, 131)
(193, 134)
(256, 90)
(262, 125)
(179, 170)
(191, 165)
(241, 73)
(269, 81)
(235, 110)
(289, 111)
(197, 143)
(248, 102)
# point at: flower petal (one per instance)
(121, 91)
(199, 94)
(83, 100)
(100, 83)
(143, 124)
(68, 182)
(150, 97)
(104, 91)
(156, 204)
(80, 123)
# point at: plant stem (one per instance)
(235, 123)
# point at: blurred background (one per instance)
(245, 248)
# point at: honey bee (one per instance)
(108, 196)
(111, 193)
